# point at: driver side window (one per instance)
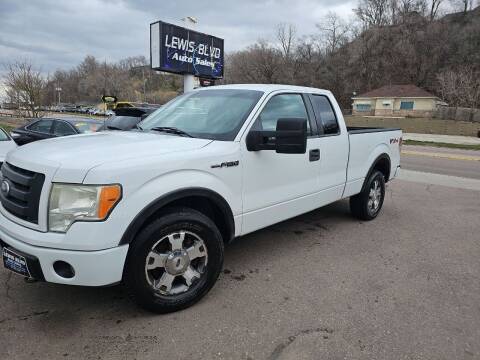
(279, 107)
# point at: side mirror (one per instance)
(289, 138)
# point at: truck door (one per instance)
(333, 145)
(279, 186)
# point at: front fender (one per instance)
(183, 179)
(138, 196)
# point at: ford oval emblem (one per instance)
(5, 187)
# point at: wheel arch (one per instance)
(383, 164)
(204, 200)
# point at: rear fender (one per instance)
(378, 159)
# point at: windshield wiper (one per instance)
(171, 130)
(110, 127)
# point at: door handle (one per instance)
(314, 155)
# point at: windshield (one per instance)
(122, 122)
(87, 127)
(3, 136)
(209, 114)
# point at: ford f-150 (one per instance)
(153, 207)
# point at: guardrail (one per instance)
(5, 114)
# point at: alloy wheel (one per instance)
(176, 262)
(374, 197)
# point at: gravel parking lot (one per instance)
(320, 286)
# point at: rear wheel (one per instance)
(367, 204)
(174, 261)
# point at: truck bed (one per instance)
(366, 145)
(365, 130)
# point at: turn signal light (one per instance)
(109, 197)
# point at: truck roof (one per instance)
(266, 87)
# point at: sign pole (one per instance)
(188, 82)
(188, 79)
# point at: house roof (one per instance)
(397, 91)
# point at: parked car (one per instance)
(100, 112)
(153, 208)
(94, 111)
(46, 128)
(83, 109)
(134, 104)
(6, 144)
(127, 118)
(68, 108)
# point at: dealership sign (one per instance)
(182, 51)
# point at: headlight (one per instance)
(70, 203)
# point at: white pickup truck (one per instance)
(153, 207)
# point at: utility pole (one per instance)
(144, 85)
(143, 80)
(59, 90)
(105, 84)
(188, 79)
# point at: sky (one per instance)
(60, 33)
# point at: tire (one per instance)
(163, 250)
(367, 204)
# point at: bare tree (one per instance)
(393, 4)
(259, 63)
(373, 12)
(286, 36)
(333, 31)
(132, 62)
(404, 10)
(460, 87)
(24, 86)
(435, 4)
(463, 5)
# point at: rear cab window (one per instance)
(325, 115)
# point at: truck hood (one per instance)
(71, 157)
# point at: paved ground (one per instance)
(455, 162)
(320, 286)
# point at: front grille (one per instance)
(20, 191)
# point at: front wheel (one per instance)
(367, 204)
(174, 261)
